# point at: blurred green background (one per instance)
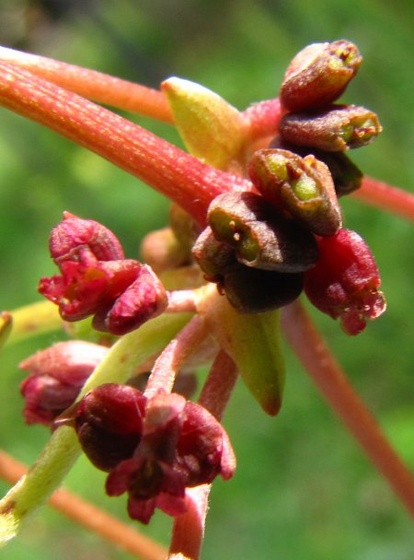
(303, 489)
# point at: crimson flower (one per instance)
(97, 280)
(153, 448)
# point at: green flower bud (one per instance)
(347, 177)
(301, 186)
(338, 128)
(319, 74)
(261, 237)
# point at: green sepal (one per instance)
(212, 129)
(252, 341)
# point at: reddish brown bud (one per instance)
(338, 128)
(261, 237)
(301, 186)
(319, 74)
(345, 281)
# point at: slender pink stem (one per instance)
(171, 171)
(219, 385)
(93, 85)
(89, 516)
(386, 197)
(188, 530)
(331, 381)
(174, 355)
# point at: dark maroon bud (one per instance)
(251, 290)
(261, 237)
(319, 74)
(338, 128)
(109, 424)
(345, 281)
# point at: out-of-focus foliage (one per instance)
(303, 489)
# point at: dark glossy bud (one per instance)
(109, 423)
(319, 74)
(214, 257)
(345, 281)
(251, 290)
(338, 128)
(261, 237)
(301, 186)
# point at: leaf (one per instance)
(252, 341)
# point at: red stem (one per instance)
(327, 375)
(93, 85)
(171, 171)
(390, 199)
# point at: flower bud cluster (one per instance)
(97, 280)
(152, 448)
(261, 247)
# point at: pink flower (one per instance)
(57, 375)
(97, 280)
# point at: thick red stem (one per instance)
(94, 85)
(331, 381)
(171, 171)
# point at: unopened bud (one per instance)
(301, 186)
(319, 74)
(345, 281)
(261, 238)
(336, 129)
(251, 290)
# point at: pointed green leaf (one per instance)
(252, 341)
(212, 129)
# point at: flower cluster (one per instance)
(262, 247)
(96, 279)
(153, 448)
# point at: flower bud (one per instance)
(319, 74)
(252, 290)
(152, 448)
(344, 283)
(57, 375)
(144, 299)
(302, 186)
(261, 238)
(347, 177)
(338, 128)
(109, 423)
(121, 294)
(214, 257)
(73, 235)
